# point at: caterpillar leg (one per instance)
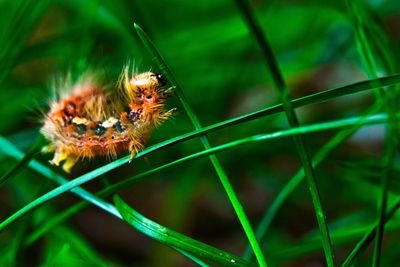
(69, 163)
(168, 92)
(61, 155)
(165, 116)
(134, 147)
(169, 113)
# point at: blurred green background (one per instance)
(222, 72)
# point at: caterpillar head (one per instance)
(147, 81)
(146, 96)
(142, 86)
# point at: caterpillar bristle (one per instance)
(88, 120)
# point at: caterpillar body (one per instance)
(88, 121)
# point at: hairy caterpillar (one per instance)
(88, 121)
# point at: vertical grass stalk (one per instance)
(283, 92)
(361, 22)
(220, 171)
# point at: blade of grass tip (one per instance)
(25, 160)
(363, 244)
(295, 181)
(283, 91)
(237, 206)
(361, 22)
(175, 239)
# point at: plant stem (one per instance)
(283, 91)
(237, 206)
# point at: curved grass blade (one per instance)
(11, 150)
(375, 119)
(291, 116)
(369, 237)
(52, 222)
(379, 118)
(298, 102)
(307, 100)
(175, 239)
(127, 182)
(342, 235)
(191, 257)
(295, 181)
(25, 160)
(362, 23)
(237, 205)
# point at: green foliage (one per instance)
(313, 170)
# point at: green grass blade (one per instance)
(9, 255)
(11, 150)
(345, 230)
(298, 102)
(369, 237)
(25, 160)
(312, 99)
(375, 119)
(296, 180)
(283, 91)
(237, 206)
(52, 222)
(89, 255)
(174, 239)
(192, 258)
(362, 23)
(127, 182)
(21, 20)
(262, 229)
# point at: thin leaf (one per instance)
(21, 164)
(369, 237)
(291, 116)
(379, 118)
(11, 150)
(175, 240)
(307, 100)
(237, 206)
(361, 22)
